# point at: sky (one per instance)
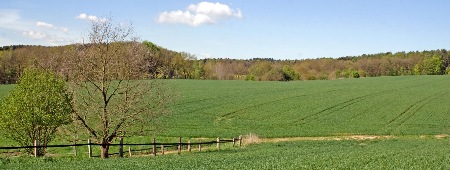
(240, 29)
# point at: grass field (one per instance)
(409, 105)
(427, 153)
(410, 109)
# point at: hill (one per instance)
(401, 105)
(405, 105)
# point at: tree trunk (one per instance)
(104, 148)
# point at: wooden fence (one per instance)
(155, 145)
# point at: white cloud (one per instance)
(51, 39)
(34, 34)
(43, 24)
(15, 27)
(47, 25)
(64, 29)
(10, 19)
(92, 18)
(199, 14)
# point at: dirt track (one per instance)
(249, 139)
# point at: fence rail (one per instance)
(121, 145)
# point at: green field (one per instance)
(375, 154)
(409, 105)
(410, 109)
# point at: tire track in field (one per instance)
(332, 109)
(410, 112)
(233, 114)
(375, 158)
(309, 118)
(343, 105)
(209, 106)
(337, 107)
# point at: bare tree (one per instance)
(112, 96)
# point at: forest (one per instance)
(163, 63)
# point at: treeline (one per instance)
(167, 64)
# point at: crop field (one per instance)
(408, 105)
(404, 105)
(411, 112)
(425, 153)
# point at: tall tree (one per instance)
(36, 108)
(433, 65)
(113, 96)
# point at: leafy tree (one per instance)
(35, 109)
(250, 77)
(433, 65)
(199, 71)
(289, 74)
(355, 74)
(275, 74)
(416, 69)
(113, 97)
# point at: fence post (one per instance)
(179, 146)
(218, 143)
(89, 148)
(199, 147)
(36, 151)
(154, 146)
(240, 140)
(234, 141)
(121, 147)
(129, 151)
(75, 149)
(189, 146)
(162, 149)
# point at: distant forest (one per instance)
(162, 63)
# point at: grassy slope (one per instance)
(411, 105)
(384, 105)
(387, 154)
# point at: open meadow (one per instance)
(404, 122)
(425, 153)
(406, 105)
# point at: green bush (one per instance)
(34, 110)
(355, 74)
(250, 77)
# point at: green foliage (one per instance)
(289, 74)
(273, 75)
(355, 74)
(433, 65)
(447, 70)
(163, 63)
(250, 77)
(199, 71)
(151, 46)
(34, 110)
(417, 69)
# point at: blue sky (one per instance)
(279, 29)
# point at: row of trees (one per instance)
(166, 64)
